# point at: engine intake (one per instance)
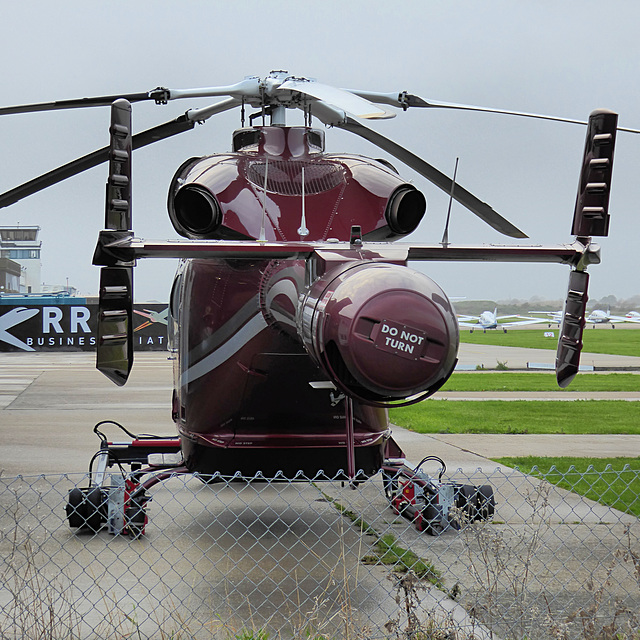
(195, 211)
(405, 210)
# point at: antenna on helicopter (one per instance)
(303, 232)
(445, 236)
(262, 237)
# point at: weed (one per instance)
(39, 607)
(408, 625)
(252, 635)
(506, 565)
(498, 565)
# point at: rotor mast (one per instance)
(278, 116)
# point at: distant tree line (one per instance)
(523, 307)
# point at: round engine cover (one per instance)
(382, 331)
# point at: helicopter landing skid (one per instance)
(432, 505)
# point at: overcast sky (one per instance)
(559, 58)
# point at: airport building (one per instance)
(10, 272)
(20, 265)
(39, 317)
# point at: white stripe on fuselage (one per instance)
(226, 350)
(285, 288)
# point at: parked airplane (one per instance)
(553, 317)
(597, 316)
(491, 320)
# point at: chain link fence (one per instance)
(320, 559)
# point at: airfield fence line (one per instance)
(317, 559)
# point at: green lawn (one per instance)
(524, 381)
(520, 416)
(625, 342)
(611, 481)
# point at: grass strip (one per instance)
(520, 416)
(536, 381)
(601, 340)
(614, 482)
(387, 551)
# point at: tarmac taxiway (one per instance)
(50, 402)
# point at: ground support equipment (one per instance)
(432, 505)
(118, 500)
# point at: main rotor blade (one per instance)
(345, 100)
(99, 101)
(142, 139)
(181, 124)
(405, 100)
(246, 88)
(439, 179)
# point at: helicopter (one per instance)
(294, 321)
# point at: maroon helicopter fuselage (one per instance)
(267, 350)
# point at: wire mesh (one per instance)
(322, 559)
